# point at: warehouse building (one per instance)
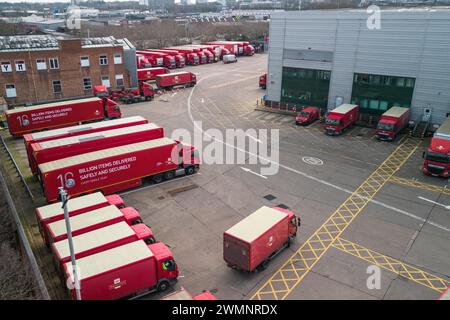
(42, 68)
(326, 58)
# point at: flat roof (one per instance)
(395, 112)
(256, 224)
(111, 259)
(84, 220)
(101, 154)
(443, 131)
(100, 124)
(55, 209)
(97, 135)
(51, 105)
(94, 239)
(343, 108)
(173, 73)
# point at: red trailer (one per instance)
(179, 58)
(60, 114)
(99, 240)
(43, 152)
(254, 241)
(149, 74)
(234, 47)
(168, 59)
(54, 212)
(119, 168)
(89, 221)
(79, 130)
(307, 115)
(392, 122)
(339, 119)
(437, 157)
(170, 80)
(134, 269)
(149, 58)
(183, 294)
(263, 81)
(190, 56)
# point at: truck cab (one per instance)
(294, 222)
(169, 62)
(193, 59)
(307, 115)
(112, 109)
(167, 268)
(144, 232)
(188, 157)
(437, 158)
(333, 125)
(386, 129)
(131, 215)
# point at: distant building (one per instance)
(37, 69)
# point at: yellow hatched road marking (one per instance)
(420, 185)
(291, 273)
(396, 266)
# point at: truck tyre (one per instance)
(189, 170)
(169, 175)
(158, 178)
(263, 265)
(163, 286)
(148, 98)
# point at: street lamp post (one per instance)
(64, 199)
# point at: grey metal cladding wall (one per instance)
(275, 68)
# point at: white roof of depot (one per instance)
(256, 224)
(94, 239)
(111, 259)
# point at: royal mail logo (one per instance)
(440, 147)
(117, 284)
(177, 79)
(97, 112)
(270, 241)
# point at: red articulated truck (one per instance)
(149, 74)
(47, 151)
(99, 240)
(251, 243)
(263, 81)
(73, 131)
(89, 221)
(149, 58)
(170, 80)
(60, 114)
(437, 157)
(119, 168)
(144, 92)
(230, 46)
(340, 118)
(54, 212)
(179, 58)
(168, 59)
(142, 62)
(392, 122)
(190, 56)
(307, 115)
(132, 270)
(183, 294)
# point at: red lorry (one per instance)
(47, 151)
(179, 58)
(170, 80)
(168, 59)
(307, 115)
(190, 56)
(60, 114)
(238, 48)
(437, 157)
(114, 169)
(99, 240)
(73, 131)
(392, 122)
(263, 81)
(340, 118)
(131, 270)
(149, 74)
(89, 221)
(251, 243)
(149, 58)
(183, 294)
(144, 92)
(54, 212)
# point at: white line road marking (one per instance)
(303, 173)
(256, 139)
(253, 172)
(434, 202)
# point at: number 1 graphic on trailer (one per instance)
(67, 180)
(23, 120)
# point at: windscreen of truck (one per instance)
(437, 157)
(304, 114)
(385, 126)
(332, 122)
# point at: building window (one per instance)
(119, 80)
(105, 81)
(57, 86)
(87, 84)
(84, 61)
(54, 63)
(41, 64)
(11, 91)
(20, 65)
(103, 60)
(6, 66)
(117, 58)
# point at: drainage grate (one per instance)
(282, 206)
(270, 197)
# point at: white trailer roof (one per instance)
(344, 108)
(172, 74)
(443, 131)
(395, 112)
(256, 224)
(111, 259)
(85, 220)
(94, 239)
(95, 125)
(97, 135)
(52, 105)
(55, 209)
(101, 154)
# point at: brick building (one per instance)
(37, 69)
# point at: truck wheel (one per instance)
(263, 265)
(163, 286)
(169, 175)
(158, 178)
(148, 98)
(189, 170)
